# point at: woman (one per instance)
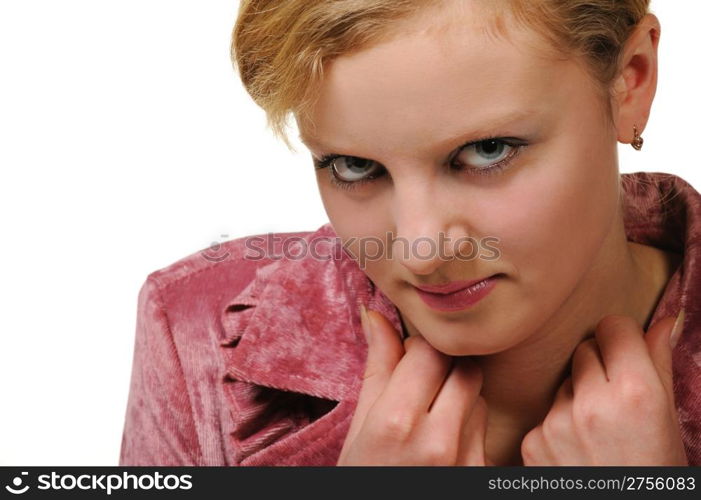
(522, 302)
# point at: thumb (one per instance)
(660, 338)
(472, 449)
(385, 346)
(385, 350)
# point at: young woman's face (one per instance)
(544, 193)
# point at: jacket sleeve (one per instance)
(159, 429)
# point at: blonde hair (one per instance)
(280, 47)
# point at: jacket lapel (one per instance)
(298, 326)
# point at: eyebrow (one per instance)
(483, 132)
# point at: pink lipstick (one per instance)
(456, 295)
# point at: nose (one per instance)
(428, 229)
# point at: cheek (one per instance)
(362, 227)
(555, 215)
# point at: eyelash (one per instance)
(517, 144)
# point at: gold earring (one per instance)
(637, 139)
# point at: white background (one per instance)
(126, 143)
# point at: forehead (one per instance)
(439, 71)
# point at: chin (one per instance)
(459, 340)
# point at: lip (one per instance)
(457, 295)
(452, 286)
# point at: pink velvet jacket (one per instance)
(246, 361)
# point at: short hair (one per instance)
(280, 47)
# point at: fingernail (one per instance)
(365, 322)
(677, 329)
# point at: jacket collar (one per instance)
(296, 326)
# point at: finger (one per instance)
(460, 389)
(622, 346)
(453, 403)
(473, 442)
(534, 449)
(587, 366)
(565, 394)
(416, 380)
(385, 349)
(657, 341)
(560, 410)
(560, 441)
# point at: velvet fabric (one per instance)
(249, 362)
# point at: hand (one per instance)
(417, 406)
(617, 408)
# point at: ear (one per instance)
(636, 81)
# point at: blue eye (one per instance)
(348, 172)
(483, 154)
(353, 169)
(482, 157)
